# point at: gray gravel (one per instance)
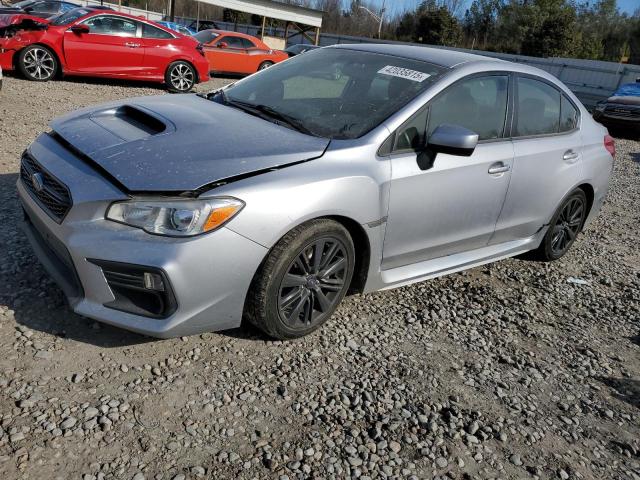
(506, 371)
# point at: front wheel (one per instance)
(302, 281)
(37, 63)
(180, 77)
(564, 227)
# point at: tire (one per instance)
(564, 227)
(264, 65)
(288, 298)
(38, 63)
(180, 77)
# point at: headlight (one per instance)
(175, 217)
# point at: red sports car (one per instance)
(100, 43)
(233, 52)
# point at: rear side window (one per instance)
(538, 108)
(149, 31)
(568, 115)
(478, 103)
(246, 43)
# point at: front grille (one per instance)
(53, 196)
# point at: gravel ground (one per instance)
(506, 371)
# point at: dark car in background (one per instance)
(622, 109)
(294, 50)
(198, 26)
(39, 8)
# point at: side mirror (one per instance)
(222, 45)
(452, 139)
(80, 29)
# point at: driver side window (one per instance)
(108, 25)
(478, 104)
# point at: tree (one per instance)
(436, 25)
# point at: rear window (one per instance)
(206, 36)
(149, 31)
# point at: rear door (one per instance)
(452, 205)
(548, 148)
(112, 47)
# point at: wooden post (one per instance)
(264, 23)
(317, 36)
(286, 34)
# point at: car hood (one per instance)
(180, 143)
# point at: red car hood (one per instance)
(21, 20)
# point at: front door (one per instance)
(452, 205)
(230, 55)
(111, 47)
(548, 149)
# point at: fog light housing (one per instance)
(138, 289)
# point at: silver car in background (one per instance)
(346, 169)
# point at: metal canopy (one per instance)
(272, 9)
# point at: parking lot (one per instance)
(512, 370)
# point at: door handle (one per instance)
(132, 45)
(498, 167)
(569, 155)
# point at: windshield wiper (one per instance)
(265, 112)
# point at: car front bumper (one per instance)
(209, 274)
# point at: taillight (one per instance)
(610, 145)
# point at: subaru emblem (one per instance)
(37, 180)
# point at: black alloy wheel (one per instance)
(302, 280)
(313, 282)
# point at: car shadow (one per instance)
(114, 82)
(38, 303)
(625, 389)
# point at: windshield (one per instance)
(336, 93)
(69, 17)
(628, 90)
(205, 36)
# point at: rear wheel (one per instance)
(180, 77)
(265, 65)
(37, 63)
(302, 281)
(564, 227)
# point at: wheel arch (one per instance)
(61, 65)
(589, 191)
(185, 60)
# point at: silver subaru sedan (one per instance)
(347, 169)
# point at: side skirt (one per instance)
(437, 267)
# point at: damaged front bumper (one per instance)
(11, 27)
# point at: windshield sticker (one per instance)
(405, 73)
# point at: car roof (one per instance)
(233, 34)
(435, 56)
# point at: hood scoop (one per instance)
(129, 123)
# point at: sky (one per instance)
(395, 6)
